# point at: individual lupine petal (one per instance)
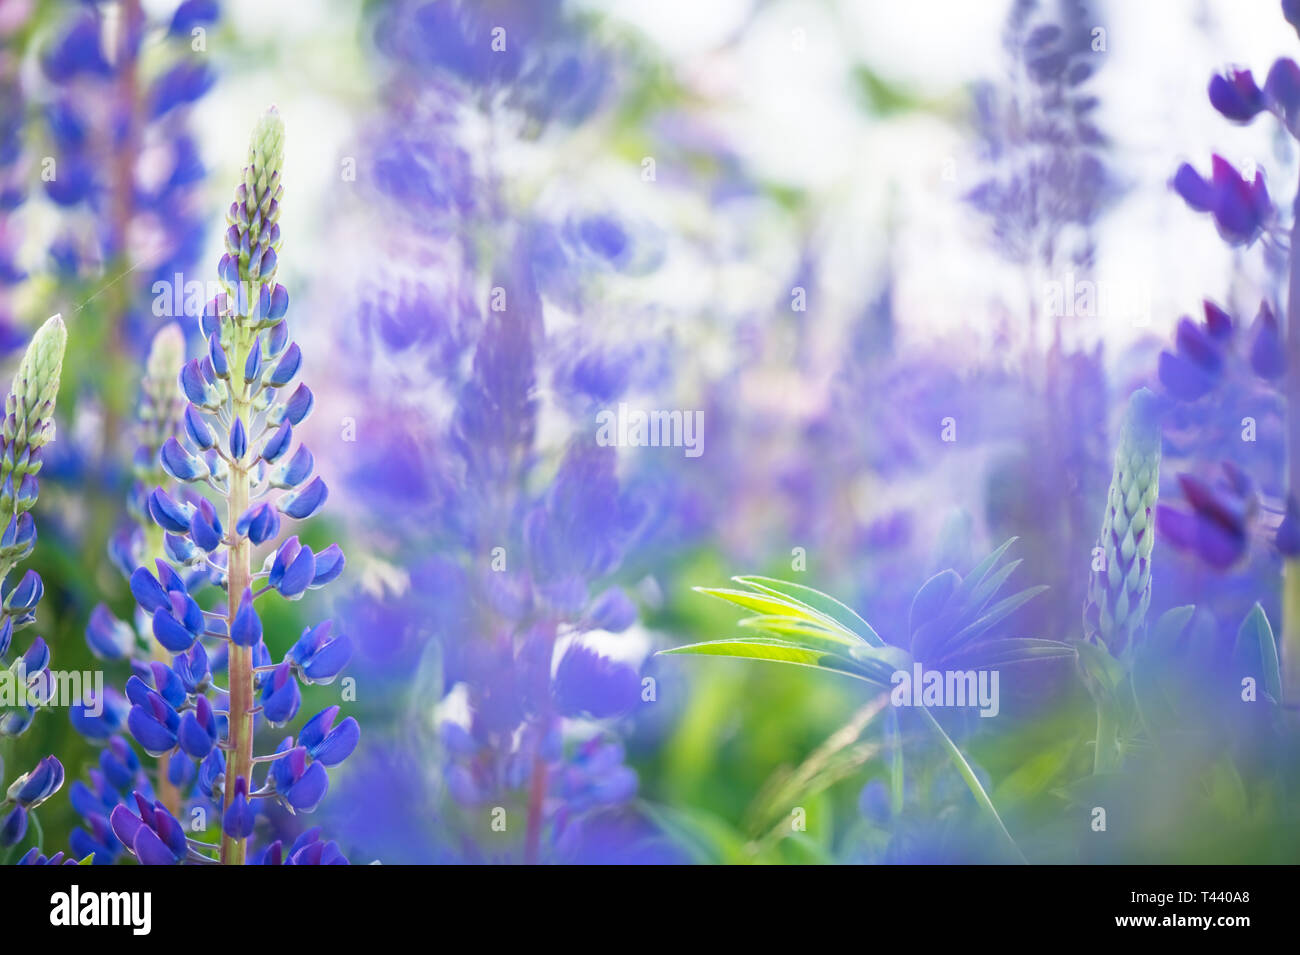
(168, 684)
(197, 388)
(1236, 96)
(171, 633)
(319, 658)
(170, 580)
(253, 364)
(279, 304)
(228, 271)
(37, 657)
(1195, 344)
(6, 634)
(126, 546)
(211, 775)
(192, 669)
(91, 802)
(276, 340)
(278, 443)
(298, 575)
(217, 355)
(1221, 519)
(1287, 539)
(33, 788)
(180, 549)
(13, 827)
(168, 513)
(99, 842)
(241, 815)
(1241, 208)
(205, 528)
(99, 714)
(1195, 190)
(1218, 323)
(1267, 355)
(329, 564)
(238, 440)
(259, 523)
(280, 696)
(25, 595)
(1282, 91)
(108, 637)
(299, 405)
(294, 471)
(210, 320)
(19, 537)
(287, 367)
(246, 629)
(197, 429)
(154, 836)
(152, 733)
(586, 682)
(180, 769)
(306, 792)
(198, 730)
(305, 501)
(125, 824)
(284, 556)
(318, 853)
(326, 743)
(119, 763)
(27, 493)
(137, 691)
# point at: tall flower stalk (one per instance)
(28, 426)
(1119, 588)
(236, 441)
(1244, 212)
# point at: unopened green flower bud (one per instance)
(1119, 589)
(253, 233)
(161, 401)
(29, 409)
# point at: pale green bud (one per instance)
(29, 409)
(1119, 590)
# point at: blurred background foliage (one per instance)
(760, 211)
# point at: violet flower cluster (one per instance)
(1230, 380)
(121, 147)
(120, 770)
(237, 441)
(509, 568)
(28, 426)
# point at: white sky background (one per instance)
(794, 116)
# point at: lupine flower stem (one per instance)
(536, 801)
(240, 571)
(1291, 569)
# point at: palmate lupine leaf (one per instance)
(1255, 650)
(812, 629)
(1012, 650)
(954, 622)
(778, 651)
(823, 605)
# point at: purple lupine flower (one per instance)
(25, 794)
(127, 159)
(234, 436)
(28, 426)
(151, 833)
